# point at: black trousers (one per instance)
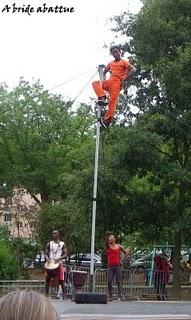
(114, 272)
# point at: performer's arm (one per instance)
(64, 252)
(125, 251)
(130, 72)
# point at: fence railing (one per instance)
(135, 285)
(144, 284)
(11, 285)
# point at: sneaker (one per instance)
(60, 296)
(102, 101)
(105, 123)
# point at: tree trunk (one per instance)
(176, 266)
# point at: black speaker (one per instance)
(90, 297)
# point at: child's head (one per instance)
(30, 305)
(116, 52)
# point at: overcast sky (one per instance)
(56, 47)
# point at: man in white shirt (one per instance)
(56, 251)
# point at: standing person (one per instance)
(120, 70)
(161, 276)
(27, 305)
(114, 264)
(56, 251)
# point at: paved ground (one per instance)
(135, 310)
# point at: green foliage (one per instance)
(39, 139)
(159, 39)
(136, 241)
(16, 254)
(47, 149)
(144, 174)
(68, 217)
(9, 264)
(25, 249)
(4, 233)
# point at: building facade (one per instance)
(18, 213)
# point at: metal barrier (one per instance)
(100, 281)
(136, 284)
(144, 284)
(7, 286)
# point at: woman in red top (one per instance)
(114, 264)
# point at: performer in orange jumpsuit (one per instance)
(120, 70)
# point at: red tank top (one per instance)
(113, 256)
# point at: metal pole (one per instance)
(100, 69)
(152, 267)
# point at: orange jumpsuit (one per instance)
(113, 85)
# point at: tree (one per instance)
(39, 135)
(159, 38)
(48, 149)
(25, 250)
(69, 218)
(9, 264)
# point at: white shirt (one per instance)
(56, 249)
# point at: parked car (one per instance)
(84, 260)
(145, 262)
(39, 259)
(142, 263)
